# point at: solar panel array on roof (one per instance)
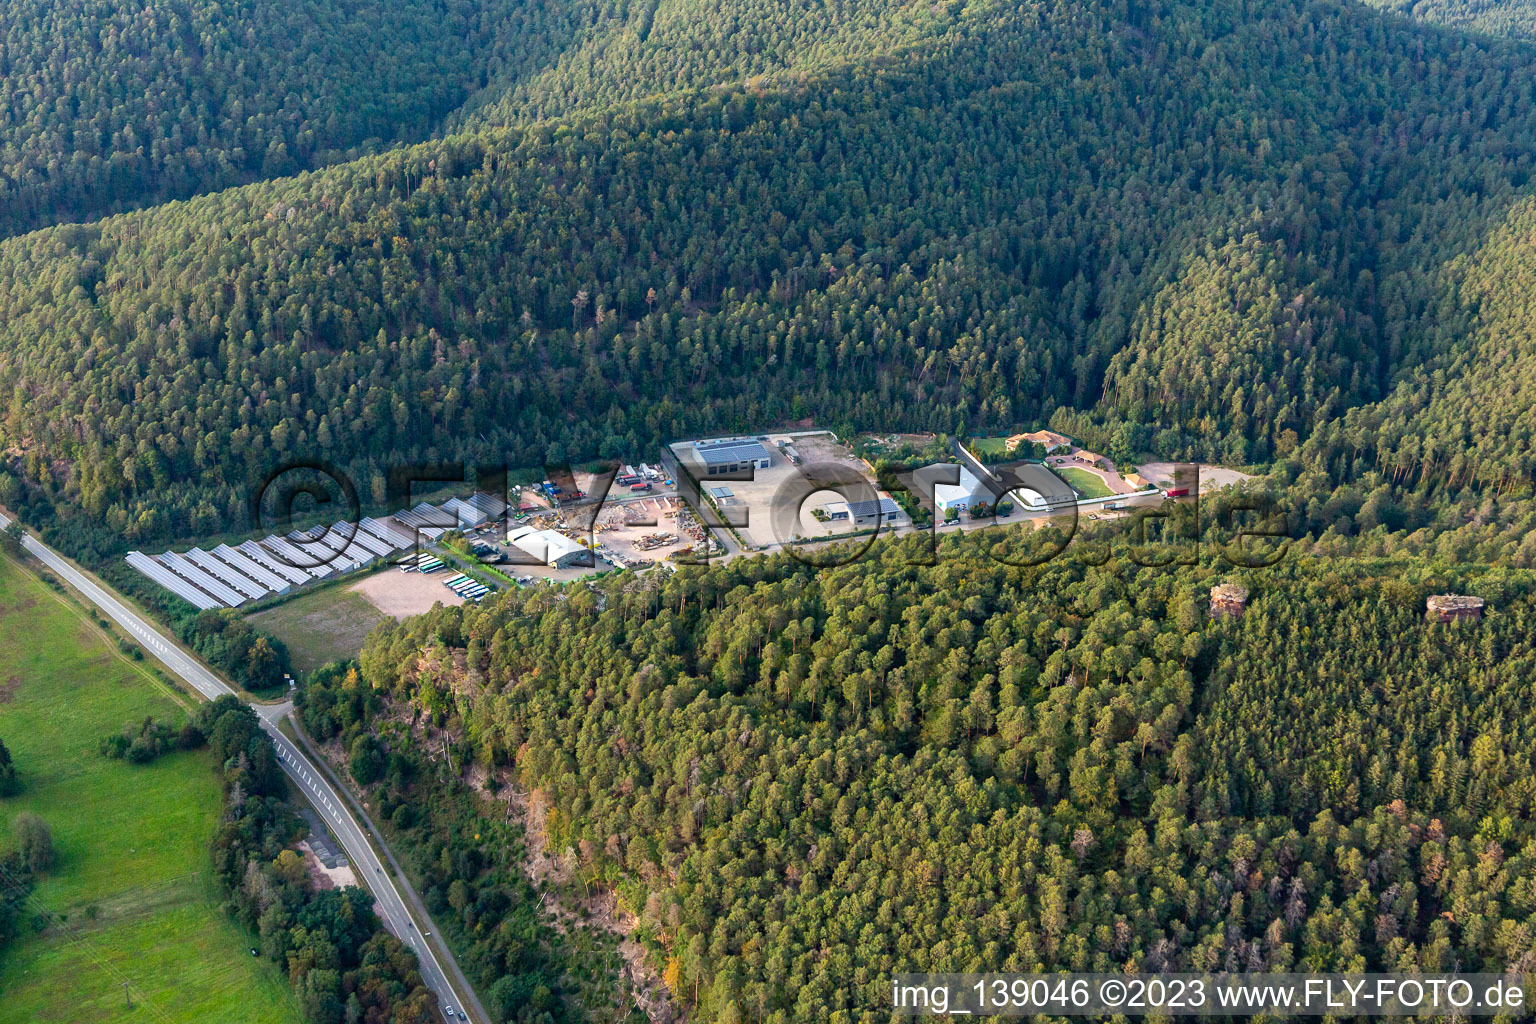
(491, 505)
(360, 544)
(305, 561)
(340, 539)
(200, 579)
(465, 515)
(424, 516)
(232, 578)
(170, 581)
(252, 568)
(320, 541)
(887, 508)
(731, 452)
(379, 549)
(261, 556)
(343, 538)
(390, 532)
(476, 510)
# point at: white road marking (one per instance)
(346, 829)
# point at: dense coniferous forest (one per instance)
(107, 106)
(631, 51)
(1515, 18)
(801, 779)
(1293, 235)
(1187, 230)
(468, 867)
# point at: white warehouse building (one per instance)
(554, 549)
(963, 495)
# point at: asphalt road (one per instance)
(905, 526)
(309, 780)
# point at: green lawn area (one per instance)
(320, 627)
(131, 899)
(1083, 482)
(988, 445)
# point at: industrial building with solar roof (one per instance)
(731, 454)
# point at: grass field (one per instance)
(130, 899)
(321, 626)
(988, 446)
(1083, 482)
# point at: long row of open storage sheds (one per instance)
(228, 577)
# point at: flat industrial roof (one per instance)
(1045, 483)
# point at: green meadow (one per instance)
(1083, 482)
(130, 899)
(325, 625)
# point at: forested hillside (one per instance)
(1247, 336)
(626, 51)
(109, 106)
(1032, 212)
(1466, 406)
(1515, 18)
(1293, 235)
(801, 780)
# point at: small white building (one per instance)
(1032, 500)
(551, 547)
